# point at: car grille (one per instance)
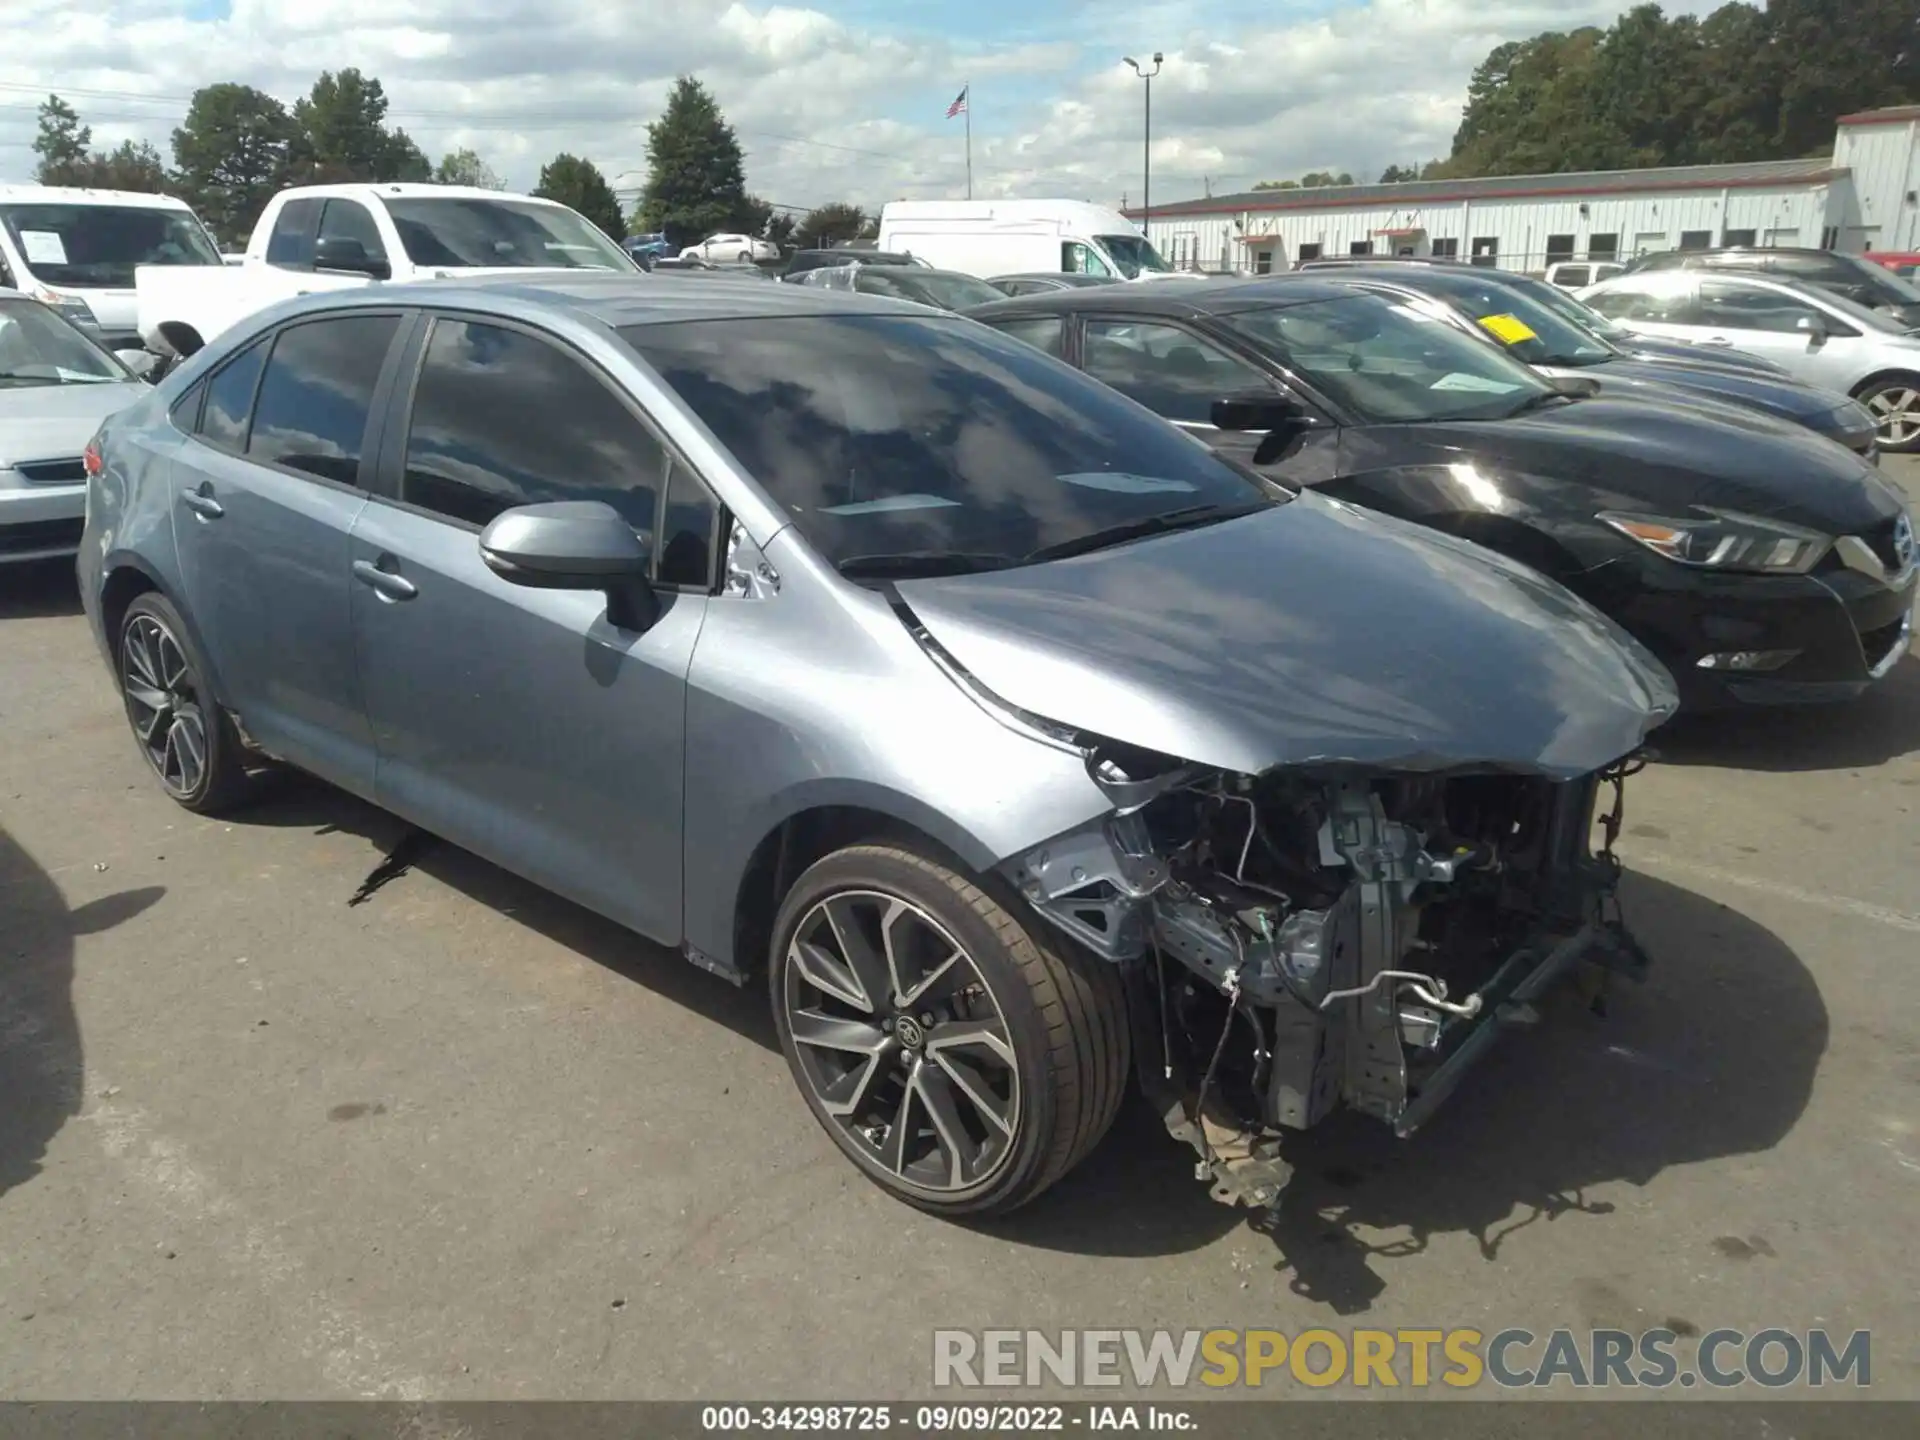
(40, 535)
(53, 472)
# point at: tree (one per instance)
(828, 225)
(578, 184)
(1399, 174)
(780, 229)
(341, 134)
(1276, 185)
(231, 155)
(130, 166)
(62, 144)
(1313, 179)
(696, 183)
(465, 167)
(753, 216)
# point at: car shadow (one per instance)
(290, 799)
(42, 1065)
(38, 589)
(1881, 725)
(1713, 1056)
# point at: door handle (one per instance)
(1719, 340)
(202, 503)
(384, 583)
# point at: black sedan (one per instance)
(1760, 562)
(1487, 304)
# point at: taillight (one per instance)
(90, 458)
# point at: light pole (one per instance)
(1146, 150)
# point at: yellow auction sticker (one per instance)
(1508, 329)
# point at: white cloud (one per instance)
(826, 109)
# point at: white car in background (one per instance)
(1817, 336)
(731, 250)
(1578, 274)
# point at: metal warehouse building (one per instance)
(1862, 198)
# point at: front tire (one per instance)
(185, 736)
(1894, 403)
(963, 1061)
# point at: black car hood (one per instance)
(1663, 379)
(1311, 633)
(1627, 452)
(1706, 357)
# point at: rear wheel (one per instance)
(185, 736)
(962, 1061)
(1894, 404)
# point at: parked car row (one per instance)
(920, 668)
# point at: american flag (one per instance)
(959, 105)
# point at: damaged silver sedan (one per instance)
(1015, 741)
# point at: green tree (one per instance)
(1276, 185)
(230, 156)
(1844, 55)
(1399, 174)
(130, 165)
(62, 144)
(341, 134)
(465, 167)
(696, 182)
(780, 229)
(578, 184)
(828, 225)
(1313, 179)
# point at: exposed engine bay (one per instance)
(1300, 941)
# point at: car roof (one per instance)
(1224, 297)
(615, 299)
(86, 195)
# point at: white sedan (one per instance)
(731, 250)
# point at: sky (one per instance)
(835, 100)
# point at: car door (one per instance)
(1768, 322)
(1178, 373)
(265, 495)
(522, 723)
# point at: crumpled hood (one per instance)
(54, 422)
(1635, 452)
(1309, 633)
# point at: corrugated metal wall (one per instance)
(1522, 231)
(1885, 161)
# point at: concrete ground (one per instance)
(465, 1140)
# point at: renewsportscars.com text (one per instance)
(1415, 1359)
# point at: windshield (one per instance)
(464, 233)
(1888, 288)
(1531, 331)
(928, 287)
(1387, 361)
(96, 247)
(900, 443)
(1132, 254)
(37, 347)
(1568, 308)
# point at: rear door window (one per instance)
(504, 418)
(1170, 370)
(290, 245)
(223, 421)
(317, 391)
(1043, 332)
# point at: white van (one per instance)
(1013, 237)
(76, 250)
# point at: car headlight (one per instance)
(1726, 540)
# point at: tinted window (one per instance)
(925, 287)
(453, 232)
(931, 440)
(230, 398)
(1572, 275)
(1534, 332)
(687, 528)
(502, 418)
(1389, 361)
(350, 220)
(1171, 371)
(1603, 246)
(99, 245)
(311, 412)
(1043, 332)
(1732, 306)
(1696, 239)
(291, 243)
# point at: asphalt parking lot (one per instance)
(464, 1140)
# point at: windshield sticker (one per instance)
(1121, 483)
(1479, 384)
(888, 503)
(1507, 329)
(43, 247)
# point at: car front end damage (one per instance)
(1312, 938)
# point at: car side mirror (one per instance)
(140, 362)
(1260, 410)
(339, 252)
(1814, 327)
(574, 545)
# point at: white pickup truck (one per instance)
(325, 237)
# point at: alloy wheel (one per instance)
(163, 704)
(902, 1041)
(1896, 414)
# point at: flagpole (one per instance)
(969, 114)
